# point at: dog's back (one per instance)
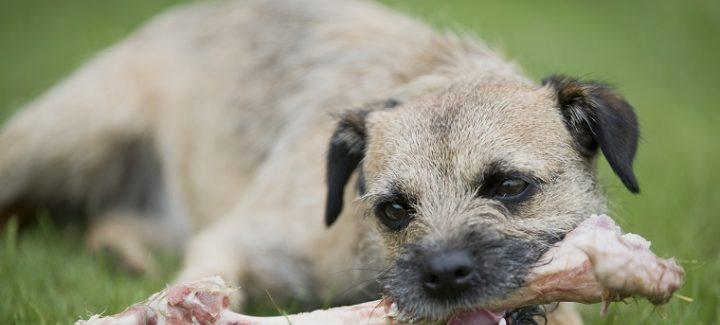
(204, 93)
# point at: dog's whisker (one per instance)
(352, 287)
(358, 269)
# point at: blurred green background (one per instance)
(662, 54)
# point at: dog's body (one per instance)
(214, 120)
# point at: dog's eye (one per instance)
(393, 214)
(511, 188)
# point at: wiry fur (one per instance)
(502, 263)
(214, 119)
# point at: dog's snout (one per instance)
(448, 274)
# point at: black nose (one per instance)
(448, 274)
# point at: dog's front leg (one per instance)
(212, 252)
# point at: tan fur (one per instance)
(231, 104)
(520, 125)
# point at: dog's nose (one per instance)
(448, 274)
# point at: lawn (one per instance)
(662, 54)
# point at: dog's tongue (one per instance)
(477, 316)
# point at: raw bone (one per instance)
(206, 302)
(594, 263)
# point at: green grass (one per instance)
(662, 54)
(46, 278)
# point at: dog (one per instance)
(442, 170)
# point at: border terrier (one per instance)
(448, 171)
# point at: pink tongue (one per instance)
(477, 316)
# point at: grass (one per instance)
(662, 54)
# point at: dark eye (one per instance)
(393, 214)
(512, 188)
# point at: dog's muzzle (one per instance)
(435, 279)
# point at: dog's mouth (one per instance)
(475, 316)
(459, 312)
(499, 266)
(483, 316)
(480, 316)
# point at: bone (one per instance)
(206, 302)
(597, 263)
(594, 263)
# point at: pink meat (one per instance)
(594, 263)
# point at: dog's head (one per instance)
(468, 186)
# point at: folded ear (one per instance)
(596, 116)
(346, 151)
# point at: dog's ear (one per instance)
(345, 152)
(596, 116)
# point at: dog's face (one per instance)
(470, 185)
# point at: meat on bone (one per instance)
(594, 263)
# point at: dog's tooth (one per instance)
(394, 310)
(502, 321)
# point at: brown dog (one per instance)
(214, 119)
